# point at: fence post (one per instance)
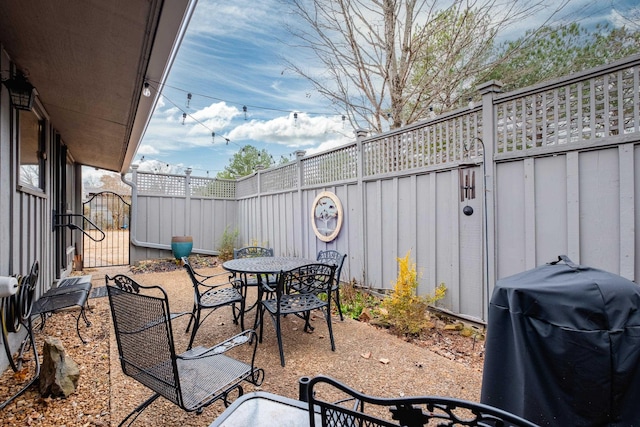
(303, 230)
(187, 201)
(360, 135)
(488, 91)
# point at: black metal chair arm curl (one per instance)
(327, 397)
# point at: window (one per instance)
(32, 149)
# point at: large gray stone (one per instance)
(59, 373)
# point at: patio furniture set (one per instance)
(200, 376)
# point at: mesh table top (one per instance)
(265, 265)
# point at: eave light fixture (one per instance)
(146, 91)
(22, 92)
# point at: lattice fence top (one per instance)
(438, 143)
(247, 186)
(213, 187)
(601, 105)
(161, 184)
(280, 178)
(336, 165)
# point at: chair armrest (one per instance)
(248, 336)
(206, 277)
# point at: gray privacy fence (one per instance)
(476, 194)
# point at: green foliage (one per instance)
(244, 162)
(456, 45)
(406, 312)
(354, 301)
(227, 243)
(552, 52)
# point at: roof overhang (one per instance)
(89, 60)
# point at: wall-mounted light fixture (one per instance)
(146, 91)
(22, 92)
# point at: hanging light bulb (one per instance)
(343, 121)
(213, 137)
(244, 108)
(146, 91)
(295, 119)
(188, 99)
(227, 141)
(471, 103)
(184, 117)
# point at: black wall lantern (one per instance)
(21, 91)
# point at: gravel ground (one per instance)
(367, 358)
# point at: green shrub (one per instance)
(227, 243)
(404, 310)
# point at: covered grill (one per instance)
(563, 346)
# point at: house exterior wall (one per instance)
(26, 220)
(553, 169)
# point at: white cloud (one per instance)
(305, 131)
(146, 149)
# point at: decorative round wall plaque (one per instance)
(326, 216)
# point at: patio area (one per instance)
(367, 358)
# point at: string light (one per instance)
(146, 91)
(244, 108)
(257, 107)
(184, 116)
(188, 99)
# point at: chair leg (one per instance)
(191, 319)
(327, 315)
(259, 316)
(137, 411)
(337, 299)
(196, 325)
(279, 336)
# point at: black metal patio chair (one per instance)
(308, 281)
(332, 257)
(210, 296)
(252, 252)
(340, 405)
(193, 379)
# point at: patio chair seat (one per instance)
(198, 376)
(218, 297)
(295, 303)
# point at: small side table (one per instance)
(264, 409)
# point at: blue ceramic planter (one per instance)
(181, 246)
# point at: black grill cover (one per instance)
(563, 347)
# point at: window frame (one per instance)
(41, 151)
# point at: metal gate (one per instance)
(111, 213)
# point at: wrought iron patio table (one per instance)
(264, 267)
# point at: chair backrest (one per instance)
(194, 278)
(349, 407)
(332, 257)
(252, 252)
(307, 279)
(141, 320)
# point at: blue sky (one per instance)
(232, 57)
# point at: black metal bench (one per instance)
(66, 295)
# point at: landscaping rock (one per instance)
(59, 374)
